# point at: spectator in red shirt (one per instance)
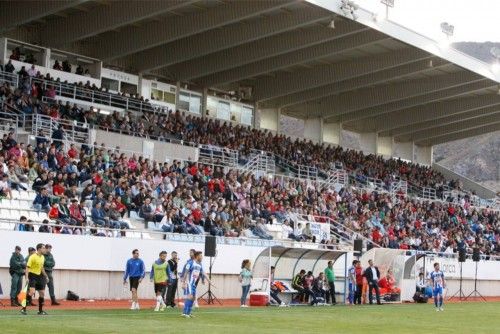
(376, 236)
(72, 152)
(193, 170)
(97, 179)
(75, 213)
(54, 212)
(58, 189)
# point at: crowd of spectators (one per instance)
(198, 130)
(98, 187)
(195, 129)
(105, 185)
(48, 86)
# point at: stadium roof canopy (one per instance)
(369, 74)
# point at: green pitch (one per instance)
(457, 318)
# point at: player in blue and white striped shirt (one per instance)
(438, 284)
(193, 270)
(352, 282)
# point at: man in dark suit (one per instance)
(372, 275)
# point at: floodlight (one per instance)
(447, 29)
(388, 3)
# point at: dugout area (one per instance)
(289, 261)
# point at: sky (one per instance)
(474, 20)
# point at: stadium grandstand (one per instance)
(155, 125)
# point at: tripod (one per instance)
(460, 293)
(475, 292)
(209, 296)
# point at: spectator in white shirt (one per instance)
(32, 71)
(288, 231)
(4, 187)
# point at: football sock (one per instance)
(440, 301)
(40, 304)
(158, 302)
(186, 306)
(190, 306)
(436, 301)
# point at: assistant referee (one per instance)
(37, 277)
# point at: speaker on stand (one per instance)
(461, 260)
(476, 257)
(211, 252)
(358, 247)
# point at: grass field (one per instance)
(457, 318)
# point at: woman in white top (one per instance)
(245, 279)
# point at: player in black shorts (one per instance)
(37, 277)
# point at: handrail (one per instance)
(452, 255)
(11, 78)
(96, 96)
(301, 171)
(9, 121)
(177, 236)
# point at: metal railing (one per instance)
(367, 182)
(9, 122)
(336, 177)
(261, 162)
(218, 156)
(297, 170)
(81, 93)
(74, 132)
(345, 235)
(10, 78)
(9, 224)
(398, 187)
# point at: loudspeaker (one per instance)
(461, 255)
(210, 245)
(475, 254)
(358, 245)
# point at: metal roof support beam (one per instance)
(264, 49)
(14, 14)
(220, 39)
(460, 135)
(111, 16)
(433, 111)
(360, 100)
(287, 83)
(348, 85)
(293, 58)
(427, 97)
(379, 95)
(405, 133)
(458, 126)
(130, 40)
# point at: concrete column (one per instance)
(385, 146)
(177, 92)
(313, 129)
(424, 155)
(404, 150)
(140, 84)
(204, 97)
(368, 142)
(270, 119)
(254, 116)
(46, 59)
(332, 133)
(3, 51)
